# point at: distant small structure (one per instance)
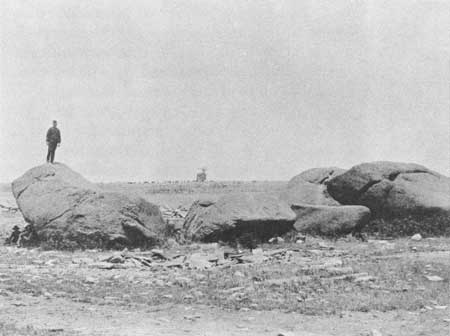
(201, 177)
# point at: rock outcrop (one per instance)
(330, 220)
(391, 189)
(309, 187)
(235, 215)
(64, 206)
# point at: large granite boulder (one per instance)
(392, 189)
(309, 187)
(330, 220)
(234, 215)
(63, 206)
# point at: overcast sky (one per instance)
(153, 90)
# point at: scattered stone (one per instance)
(272, 240)
(416, 237)
(116, 259)
(159, 254)
(258, 251)
(183, 281)
(283, 281)
(274, 253)
(91, 280)
(177, 262)
(239, 274)
(364, 278)
(82, 261)
(325, 246)
(440, 307)
(252, 259)
(339, 270)
(434, 278)
(232, 290)
(199, 261)
(172, 243)
(375, 332)
(286, 333)
(159, 283)
(18, 304)
(104, 265)
(238, 296)
(332, 262)
(191, 317)
(300, 237)
(51, 262)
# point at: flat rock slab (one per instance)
(256, 215)
(330, 220)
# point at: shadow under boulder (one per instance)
(68, 211)
(254, 216)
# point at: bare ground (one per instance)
(65, 317)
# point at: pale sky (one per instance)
(154, 90)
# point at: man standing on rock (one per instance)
(53, 141)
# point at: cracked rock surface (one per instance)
(63, 205)
(393, 189)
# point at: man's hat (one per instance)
(15, 227)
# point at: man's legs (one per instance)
(51, 152)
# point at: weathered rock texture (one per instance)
(234, 215)
(310, 187)
(330, 220)
(63, 205)
(393, 189)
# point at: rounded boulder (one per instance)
(65, 208)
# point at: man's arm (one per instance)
(59, 136)
(47, 139)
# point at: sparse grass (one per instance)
(176, 194)
(427, 226)
(12, 330)
(399, 280)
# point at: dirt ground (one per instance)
(68, 293)
(57, 316)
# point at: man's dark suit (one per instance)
(53, 139)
